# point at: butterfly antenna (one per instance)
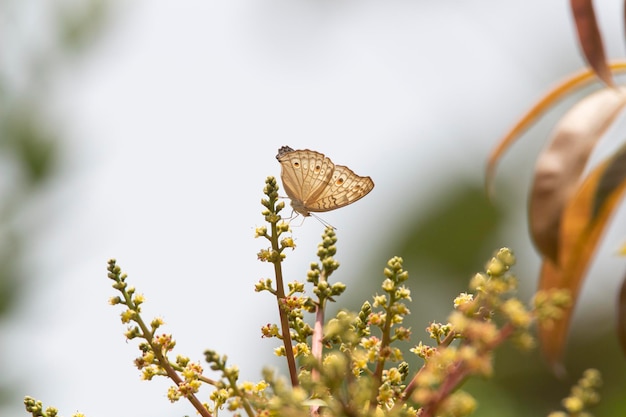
(324, 222)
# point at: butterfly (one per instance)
(314, 184)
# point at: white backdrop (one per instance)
(172, 124)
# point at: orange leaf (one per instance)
(574, 82)
(590, 38)
(561, 164)
(583, 222)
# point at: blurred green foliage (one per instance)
(30, 139)
(454, 232)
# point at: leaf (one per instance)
(590, 39)
(572, 83)
(583, 222)
(561, 164)
(610, 181)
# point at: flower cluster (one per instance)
(474, 326)
(353, 363)
(583, 395)
(191, 372)
(36, 409)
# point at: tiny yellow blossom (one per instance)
(182, 360)
(370, 342)
(148, 357)
(359, 361)
(260, 231)
(423, 351)
(148, 372)
(496, 267)
(192, 371)
(478, 281)
(388, 285)
(261, 386)
(524, 341)
(516, 312)
(380, 300)
(377, 319)
(573, 404)
(282, 226)
(393, 375)
(173, 394)
(156, 322)
(128, 315)
(463, 298)
(459, 403)
(506, 256)
(403, 293)
(288, 243)
(301, 349)
(246, 386)
(219, 396)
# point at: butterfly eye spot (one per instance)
(339, 181)
(318, 168)
(296, 164)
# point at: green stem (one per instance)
(383, 353)
(284, 320)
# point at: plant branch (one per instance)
(284, 320)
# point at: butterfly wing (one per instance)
(305, 175)
(344, 187)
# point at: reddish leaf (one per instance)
(561, 164)
(590, 39)
(550, 99)
(583, 222)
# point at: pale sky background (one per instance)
(172, 122)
